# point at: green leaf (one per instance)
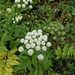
(55, 74)
(3, 51)
(73, 29)
(35, 72)
(34, 61)
(58, 52)
(5, 37)
(65, 50)
(40, 71)
(71, 36)
(12, 51)
(67, 27)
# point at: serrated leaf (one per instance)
(12, 51)
(73, 29)
(67, 27)
(19, 67)
(40, 72)
(3, 51)
(35, 72)
(55, 74)
(12, 62)
(65, 50)
(58, 52)
(34, 61)
(8, 69)
(14, 57)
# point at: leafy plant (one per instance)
(7, 60)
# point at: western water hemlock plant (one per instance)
(36, 55)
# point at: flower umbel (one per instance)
(35, 42)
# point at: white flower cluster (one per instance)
(24, 3)
(35, 40)
(17, 18)
(8, 10)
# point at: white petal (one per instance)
(40, 57)
(27, 46)
(44, 48)
(20, 49)
(37, 48)
(48, 44)
(30, 52)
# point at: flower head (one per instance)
(32, 45)
(48, 44)
(37, 48)
(20, 49)
(22, 40)
(30, 6)
(30, 52)
(28, 46)
(8, 10)
(19, 5)
(44, 48)
(40, 57)
(17, 1)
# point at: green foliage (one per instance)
(65, 52)
(7, 60)
(56, 18)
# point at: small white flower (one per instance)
(39, 39)
(40, 57)
(34, 31)
(20, 49)
(43, 42)
(35, 40)
(31, 41)
(32, 45)
(17, 1)
(13, 19)
(30, 1)
(30, 6)
(19, 5)
(26, 2)
(22, 40)
(37, 34)
(38, 42)
(33, 36)
(14, 22)
(37, 48)
(40, 31)
(29, 33)
(44, 48)
(48, 44)
(8, 10)
(30, 52)
(27, 46)
(25, 41)
(23, 5)
(28, 37)
(45, 37)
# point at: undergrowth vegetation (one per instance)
(37, 37)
